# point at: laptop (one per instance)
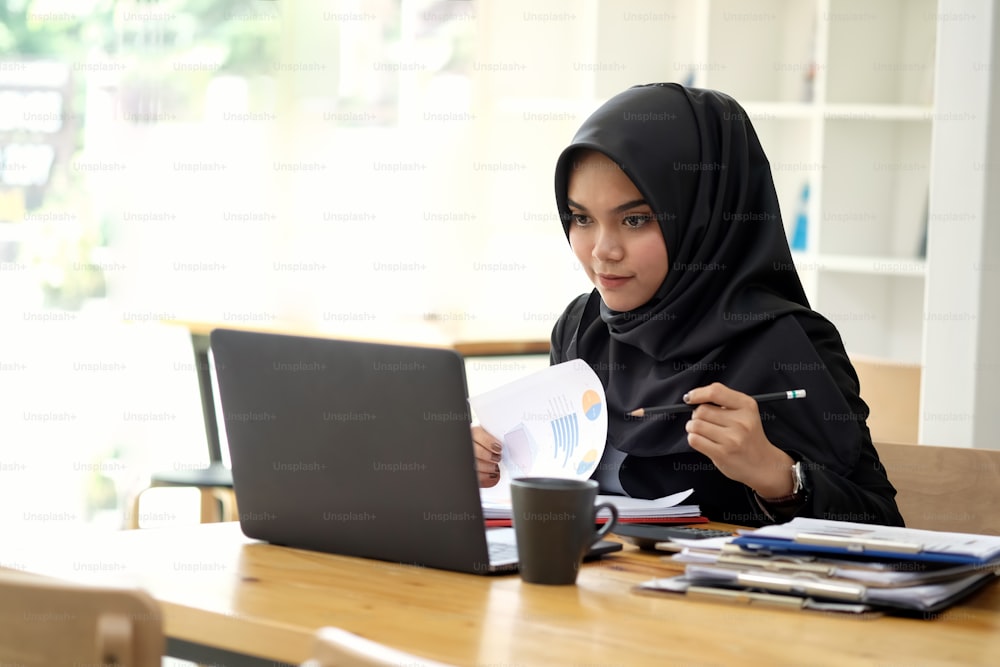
(357, 448)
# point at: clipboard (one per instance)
(817, 536)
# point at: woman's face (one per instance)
(614, 233)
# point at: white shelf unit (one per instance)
(841, 96)
(846, 89)
(869, 236)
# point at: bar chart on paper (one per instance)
(552, 423)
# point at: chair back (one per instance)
(945, 488)
(892, 391)
(336, 647)
(46, 623)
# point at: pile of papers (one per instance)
(837, 566)
(666, 509)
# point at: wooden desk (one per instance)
(221, 590)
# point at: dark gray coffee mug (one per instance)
(554, 523)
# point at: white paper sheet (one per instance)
(552, 423)
(628, 508)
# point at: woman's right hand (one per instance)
(487, 452)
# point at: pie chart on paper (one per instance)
(592, 404)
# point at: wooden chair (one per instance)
(215, 482)
(945, 488)
(46, 623)
(892, 391)
(335, 647)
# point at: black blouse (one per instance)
(858, 491)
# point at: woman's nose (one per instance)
(607, 245)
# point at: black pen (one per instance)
(681, 407)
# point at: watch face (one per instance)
(800, 479)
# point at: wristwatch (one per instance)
(799, 489)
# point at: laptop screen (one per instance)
(351, 447)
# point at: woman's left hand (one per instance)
(725, 426)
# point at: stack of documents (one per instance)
(838, 566)
(661, 510)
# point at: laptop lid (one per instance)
(352, 447)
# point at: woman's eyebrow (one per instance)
(621, 208)
(629, 205)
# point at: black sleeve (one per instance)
(864, 494)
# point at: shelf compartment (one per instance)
(875, 184)
(661, 38)
(880, 52)
(762, 51)
(789, 148)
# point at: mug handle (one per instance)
(609, 524)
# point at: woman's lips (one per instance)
(611, 281)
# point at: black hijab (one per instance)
(731, 308)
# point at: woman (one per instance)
(667, 200)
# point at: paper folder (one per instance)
(682, 584)
(920, 598)
(770, 600)
(800, 593)
(879, 574)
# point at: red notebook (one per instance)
(630, 510)
(498, 523)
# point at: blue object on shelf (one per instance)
(801, 220)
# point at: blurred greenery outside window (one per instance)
(153, 62)
(81, 79)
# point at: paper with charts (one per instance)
(553, 423)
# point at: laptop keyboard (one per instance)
(501, 545)
(502, 553)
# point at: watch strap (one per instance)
(798, 493)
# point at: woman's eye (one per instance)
(636, 221)
(579, 219)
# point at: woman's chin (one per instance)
(617, 303)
